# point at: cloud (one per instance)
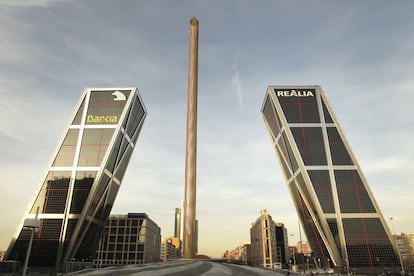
(236, 82)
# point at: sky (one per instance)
(361, 52)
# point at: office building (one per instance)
(339, 214)
(178, 222)
(269, 247)
(179, 227)
(78, 190)
(129, 239)
(177, 243)
(282, 245)
(168, 250)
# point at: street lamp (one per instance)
(319, 263)
(307, 261)
(33, 225)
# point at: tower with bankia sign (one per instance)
(78, 190)
(339, 214)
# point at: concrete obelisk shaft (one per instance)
(191, 145)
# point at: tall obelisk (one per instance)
(191, 145)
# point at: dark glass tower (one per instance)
(339, 214)
(80, 184)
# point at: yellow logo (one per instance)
(101, 119)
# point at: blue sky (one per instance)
(361, 52)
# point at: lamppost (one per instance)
(33, 225)
(319, 263)
(307, 262)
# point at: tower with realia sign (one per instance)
(339, 214)
(76, 194)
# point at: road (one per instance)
(185, 268)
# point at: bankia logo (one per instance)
(101, 119)
(119, 96)
(294, 93)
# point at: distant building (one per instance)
(304, 248)
(177, 243)
(179, 227)
(282, 244)
(168, 250)
(246, 254)
(405, 242)
(299, 255)
(240, 255)
(342, 220)
(80, 184)
(292, 251)
(269, 247)
(196, 237)
(178, 221)
(2, 253)
(129, 239)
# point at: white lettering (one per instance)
(294, 93)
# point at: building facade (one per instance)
(168, 249)
(240, 255)
(178, 223)
(303, 248)
(128, 239)
(339, 214)
(282, 245)
(405, 243)
(268, 248)
(77, 192)
(177, 243)
(179, 228)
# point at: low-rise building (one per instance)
(168, 249)
(129, 239)
(303, 247)
(241, 254)
(405, 243)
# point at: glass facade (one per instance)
(77, 194)
(339, 214)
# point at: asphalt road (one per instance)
(184, 268)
